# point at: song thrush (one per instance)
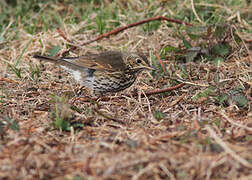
(109, 71)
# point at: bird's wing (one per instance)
(106, 61)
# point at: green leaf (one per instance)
(210, 91)
(62, 124)
(170, 49)
(194, 36)
(187, 44)
(238, 97)
(220, 31)
(17, 71)
(54, 50)
(222, 99)
(237, 39)
(16, 63)
(78, 125)
(2, 39)
(221, 49)
(61, 112)
(182, 174)
(75, 108)
(34, 71)
(217, 61)
(13, 124)
(78, 178)
(159, 115)
(101, 24)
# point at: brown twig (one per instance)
(160, 61)
(62, 34)
(148, 93)
(158, 91)
(8, 80)
(86, 167)
(117, 30)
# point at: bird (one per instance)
(105, 72)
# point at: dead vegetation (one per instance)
(202, 130)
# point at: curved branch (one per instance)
(119, 29)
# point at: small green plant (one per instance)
(151, 27)
(238, 97)
(100, 23)
(210, 91)
(54, 50)
(14, 67)
(61, 112)
(159, 115)
(1, 98)
(212, 43)
(35, 72)
(17, 71)
(78, 178)
(4, 94)
(235, 96)
(7, 123)
(18, 60)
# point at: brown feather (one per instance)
(106, 61)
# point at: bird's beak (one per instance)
(149, 68)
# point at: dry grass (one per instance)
(166, 136)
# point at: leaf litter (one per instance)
(200, 131)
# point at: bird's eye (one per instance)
(139, 61)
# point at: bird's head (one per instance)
(137, 62)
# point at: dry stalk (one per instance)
(227, 149)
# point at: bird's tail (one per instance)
(50, 59)
(60, 61)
